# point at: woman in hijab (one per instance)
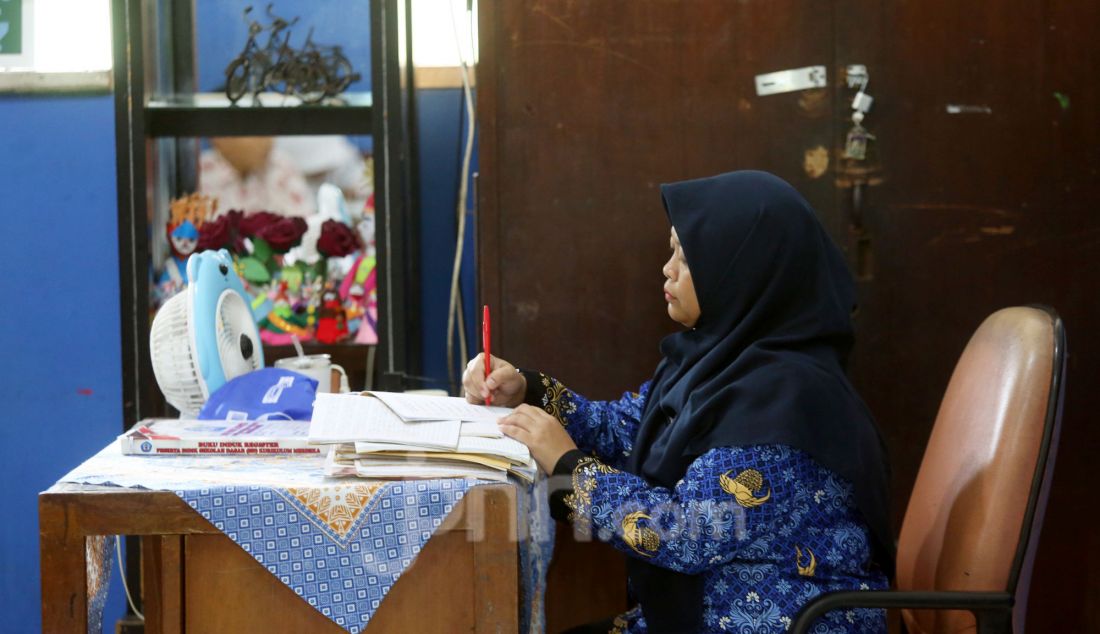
(747, 476)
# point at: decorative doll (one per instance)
(332, 325)
(187, 215)
(282, 322)
(363, 279)
(182, 240)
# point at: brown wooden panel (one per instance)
(585, 582)
(228, 591)
(162, 583)
(89, 510)
(210, 585)
(69, 513)
(990, 207)
(585, 108)
(491, 529)
(465, 579)
(63, 568)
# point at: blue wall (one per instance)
(59, 333)
(440, 163)
(61, 384)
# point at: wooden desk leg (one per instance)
(496, 570)
(64, 570)
(162, 590)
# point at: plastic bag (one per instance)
(267, 393)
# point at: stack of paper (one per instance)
(394, 435)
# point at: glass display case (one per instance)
(173, 63)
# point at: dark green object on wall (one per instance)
(11, 27)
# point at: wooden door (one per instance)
(975, 195)
(585, 108)
(985, 196)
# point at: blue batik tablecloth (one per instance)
(339, 543)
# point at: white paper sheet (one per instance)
(485, 429)
(375, 447)
(405, 470)
(336, 469)
(339, 418)
(508, 448)
(418, 407)
(505, 447)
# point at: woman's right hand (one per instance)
(506, 385)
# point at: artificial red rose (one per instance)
(253, 223)
(222, 233)
(214, 234)
(337, 240)
(283, 234)
(235, 216)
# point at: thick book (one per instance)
(217, 437)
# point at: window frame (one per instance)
(36, 82)
(18, 74)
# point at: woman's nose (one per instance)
(667, 269)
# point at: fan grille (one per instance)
(174, 364)
(234, 321)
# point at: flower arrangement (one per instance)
(257, 240)
(307, 276)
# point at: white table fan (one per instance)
(205, 335)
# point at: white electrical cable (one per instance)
(455, 308)
(122, 570)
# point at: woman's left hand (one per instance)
(542, 433)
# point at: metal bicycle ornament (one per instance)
(310, 73)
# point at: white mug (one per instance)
(318, 367)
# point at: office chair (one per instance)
(971, 529)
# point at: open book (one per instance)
(393, 435)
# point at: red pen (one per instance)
(485, 347)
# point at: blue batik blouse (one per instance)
(767, 526)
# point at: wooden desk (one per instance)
(195, 579)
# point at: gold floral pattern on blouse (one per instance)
(808, 568)
(584, 482)
(620, 623)
(744, 486)
(643, 540)
(555, 400)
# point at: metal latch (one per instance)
(790, 80)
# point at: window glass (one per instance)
(437, 25)
(55, 36)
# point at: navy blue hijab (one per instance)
(765, 363)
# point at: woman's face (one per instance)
(683, 305)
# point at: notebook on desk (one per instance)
(393, 435)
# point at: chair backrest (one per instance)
(974, 515)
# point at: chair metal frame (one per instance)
(992, 610)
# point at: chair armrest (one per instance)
(976, 602)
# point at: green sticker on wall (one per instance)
(11, 27)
